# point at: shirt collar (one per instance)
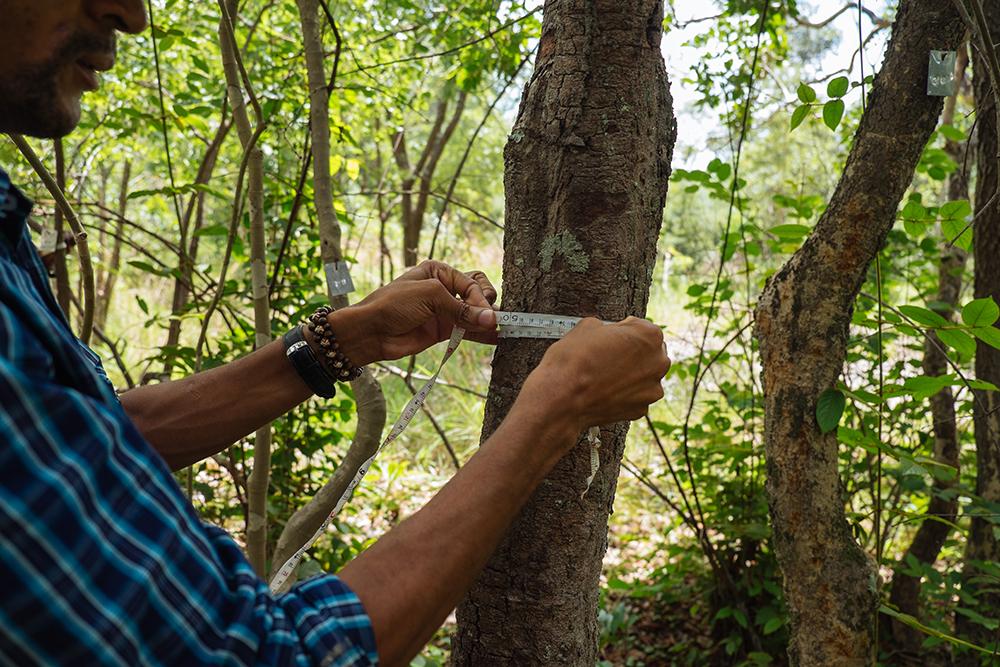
(14, 210)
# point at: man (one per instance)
(104, 561)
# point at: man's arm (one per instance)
(191, 419)
(104, 559)
(412, 578)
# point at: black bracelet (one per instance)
(306, 365)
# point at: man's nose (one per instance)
(123, 15)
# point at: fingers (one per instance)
(485, 285)
(476, 317)
(474, 287)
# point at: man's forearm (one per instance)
(412, 578)
(191, 419)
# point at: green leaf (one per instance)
(960, 341)
(213, 230)
(906, 619)
(773, 625)
(914, 211)
(799, 115)
(955, 210)
(976, 617)
(989, 335)
(696, 290)
(952, 133)
(838, 87)
(833, 111)
(981, 312)
(958, 232)
(792, 232)
(829, 409)
(353, 168)
(923, 316)
(806, 93)
(925, 386)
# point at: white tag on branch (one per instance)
(47, 244)
(338, 278)
(941, 74)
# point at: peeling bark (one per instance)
(586, 170)
(830, 583)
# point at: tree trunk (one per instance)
(59, 256)
(830, 583)
(368, 395)
(586, 170)
(188, 256)
(417, 180)
(983, 545)
(941, 512)
(259, 479)
(107, 286)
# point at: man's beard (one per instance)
(30, 101)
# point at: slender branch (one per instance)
(83, 249)
(468, 150)
(452, 50)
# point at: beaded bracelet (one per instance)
(332, 357)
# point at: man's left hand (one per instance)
(415, 311)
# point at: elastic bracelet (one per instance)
(332, 357)
(306, 365)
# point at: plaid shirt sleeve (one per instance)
(102, 559)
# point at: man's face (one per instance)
(50, 53)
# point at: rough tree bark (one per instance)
(830, 583)
(943, 507)
(586, 169)
(368, 395)
(982, 544)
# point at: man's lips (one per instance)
(88, 75)
(89, 65)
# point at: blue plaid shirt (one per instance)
(102, 559)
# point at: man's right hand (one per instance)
(603, 373)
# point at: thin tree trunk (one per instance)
(257, 483)
(830, 583)
(586, 170)
(421, 175)
(941, 512)
(368, 395)
(982, 545)
(104, 294)
(59, 256)
(188, 256)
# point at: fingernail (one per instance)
(487, 318)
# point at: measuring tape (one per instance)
(509, 325)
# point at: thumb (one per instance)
(474, 318)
